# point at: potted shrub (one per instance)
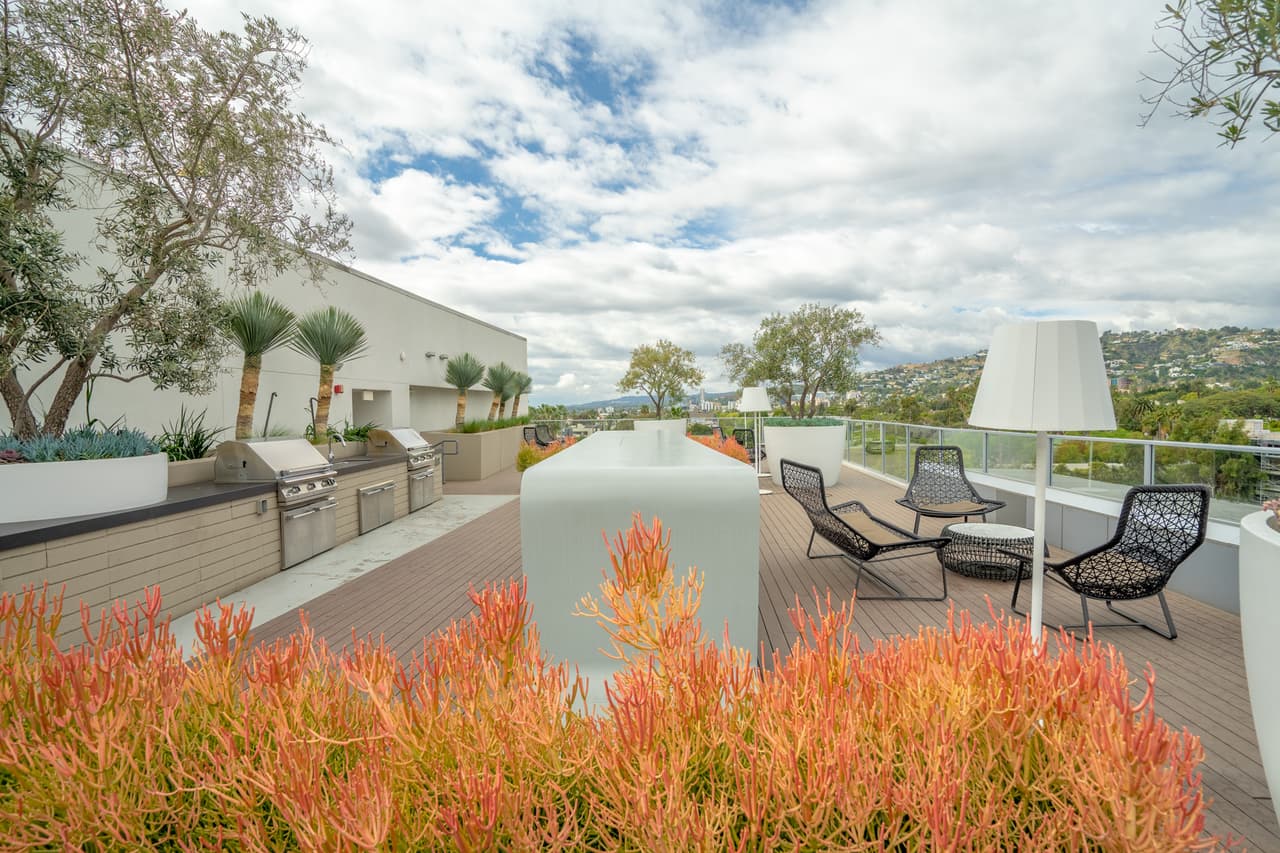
(84, 471)
(1259, 595)
(813, 441)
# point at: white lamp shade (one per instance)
(1046, 375)
(754, 399)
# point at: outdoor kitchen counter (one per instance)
(180, 499)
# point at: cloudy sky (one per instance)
(597, 174)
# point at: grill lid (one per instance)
(266, 460)
(398, 441)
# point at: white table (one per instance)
(975, 550)
(570, 501)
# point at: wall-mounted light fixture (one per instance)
(444, 356)
(429, 354)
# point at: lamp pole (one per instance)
(1037, 542)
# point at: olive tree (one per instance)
(1226, 56)
(185, 146)
(813, 349)
(661, 370)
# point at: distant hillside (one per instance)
(1227, 357)
(636, 401)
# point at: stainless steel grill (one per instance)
(305, 485)
(422, 461)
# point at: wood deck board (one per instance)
(1200, 680)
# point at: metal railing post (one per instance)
(1049, 464)
(884, 461)
(1148, 464)
(908, 446)
(986, 452)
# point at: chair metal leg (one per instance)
(1135, 622)
(899, 595)
(916, 529)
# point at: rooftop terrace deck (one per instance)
(1200, 676)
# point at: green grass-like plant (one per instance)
(489, 426)
(188, 437)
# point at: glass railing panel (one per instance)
(891, 453)
(1093, 467)
(1236, 477)
(970, 443)
(1012, 455)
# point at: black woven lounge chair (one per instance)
(538, 434)
(859, 535)
(940, 489)
(1158, 529)
(747, 438)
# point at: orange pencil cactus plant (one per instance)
(969, 737)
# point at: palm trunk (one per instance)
(461, 417)
(515, 407)
(493, 409)
(502, 411)
(249, 376)
(323, 397)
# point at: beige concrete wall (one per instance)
(194, 557)
(480, 454)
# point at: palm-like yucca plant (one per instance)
(498, 379)
(462, 372)
(256, 324)
(523, 385)
(331, 336)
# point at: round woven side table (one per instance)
(975, 550)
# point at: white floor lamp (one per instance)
(756, 399)
(1043, 376)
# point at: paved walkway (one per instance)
(282, 594)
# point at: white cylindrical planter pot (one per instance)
(819, 446)
(1260, 629)
(32, 491)
(676, 426)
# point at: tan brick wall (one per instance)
(194, 557)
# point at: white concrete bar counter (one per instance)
(570, 501)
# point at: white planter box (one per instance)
(677, 426)
(819, 446)
(31, 491)
(1260, 630)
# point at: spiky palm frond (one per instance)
(464, 371)
(498, 379)
(330, 335)
(257, 324)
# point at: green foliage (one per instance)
(257, 324)
(700, 429)
(197, 160)
(84, 442)
(662, 371)
(499, 379)
(188, 438)
(796, 422)
(489, 426)
(463, 371)
(1226, 56)
(548, 412)
(330, 336)
(352, 432)
(814, 349)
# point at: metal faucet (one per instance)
(332, 436)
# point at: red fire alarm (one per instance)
(337, 389)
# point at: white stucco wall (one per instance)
(401, 328)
